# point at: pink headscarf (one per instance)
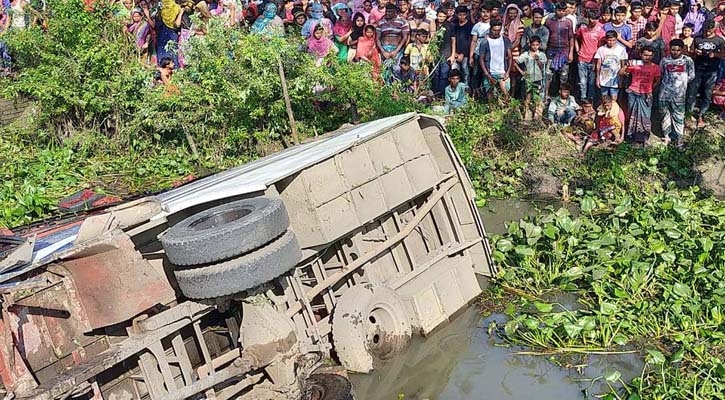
(515, 25)
(342, 26)
(318, 47)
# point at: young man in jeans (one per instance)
(495, 59)
(709, 49)
(677, 71)
(560, 49)
(588, 38)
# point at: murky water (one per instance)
(460, 361)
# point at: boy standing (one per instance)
(478, 35)
(418, 53)
(623, 31)
(649, 39)
(677, 71)
(535, 29)
(644, 78)
(534, 62)
(589, 36)
(609, 58)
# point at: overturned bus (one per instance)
(249, 283)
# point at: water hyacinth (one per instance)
(648, 273)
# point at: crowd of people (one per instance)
(605, 68)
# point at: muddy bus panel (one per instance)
(244, 283)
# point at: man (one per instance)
(644, 78)
(495, 59)
(536, 29)
(667, 28)
(588, 39)
(445, 41)
(624, 32)
(478, 35)
(475, 11)
(560, 49)
(709, 50)
(677, 71)
(571, 14)
(392, 35)
(419, 20)
(462, 32)
(636, 21)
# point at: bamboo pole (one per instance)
(288, 103)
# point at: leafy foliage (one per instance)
(645, 268)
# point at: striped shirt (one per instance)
(396, 27)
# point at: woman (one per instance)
(342, 30)
(319, 45)
(167, 24)
(300, 18)
(188, 28)
(269, 22)
(358, 25)
(140, 30)
(696, 16)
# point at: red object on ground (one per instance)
(186, 179)
(86, 199)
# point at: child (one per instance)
(563, 107)
(622, 30)
(367, 50)
(455, 92)
(677, 71)
(644, 78)
(403, 73)
(583, 124)
(319, 45)
(609, 59)
(649, 39)
(609, 125)
(418, 53)
(605, 15)
(688, 40)
(533, 62)
(164, 72)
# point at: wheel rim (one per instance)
(221, 217)
(381, 335)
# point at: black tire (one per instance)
(225, 231)
(241, 273)
(327, 387)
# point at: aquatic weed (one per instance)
(646, 268)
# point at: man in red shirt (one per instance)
(644, 78)
(588, 40)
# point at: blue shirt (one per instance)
(625, 31)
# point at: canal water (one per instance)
(461, 361)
